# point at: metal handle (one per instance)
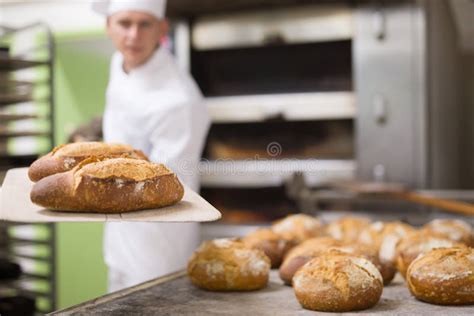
(379, 22)
(380, 109)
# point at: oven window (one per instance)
(331, 139)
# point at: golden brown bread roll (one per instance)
(65, 157)
(443, 276)
(228, 265)
(303, 253)
(313, 244)
(384, 237)
(363, 251)
(347, 228)
(410, 247)
(453, 229)
(298, 227)
(109, 186)
(338, 282)
(272, 244)
(315, 247)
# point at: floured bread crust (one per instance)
(453, 229)
(384, 236)
(228, 265)
(298, 227)
(315, 247)
(410, 247)
(347, 228)
(89, 149)
(124, 168)
(303, 253)
(65, 157)
(110, 186)
(338, 282)
(272, 244)
(443, 276)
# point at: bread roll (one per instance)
(228, 265)
(410, 247)
(384, 237)
(298, 227)
(65, 157)
(347, 228)
(453, 229)
(303, 253)
(109, 186)
(273, 245)
(443, 276)
(338, 282)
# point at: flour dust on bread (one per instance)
(338, 282)
(228, 265)
(65, 157)
(443, 276)
(109, 186)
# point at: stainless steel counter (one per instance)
(175, 295)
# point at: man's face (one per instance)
(136, 35)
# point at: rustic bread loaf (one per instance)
(347, 228)
(272, 244)
(384, 237)
(443, 276)
(65, 157)
(453, 229)
(228, 265)
(303, 253)
(338, 282)
(315, 247)
(109, 186)
(362, 251)
(298, 227)
(313, 244)
(410, 247)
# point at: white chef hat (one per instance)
(109, 7)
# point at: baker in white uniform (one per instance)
(155, 107)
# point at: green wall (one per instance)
(81, 76)
(81, 79)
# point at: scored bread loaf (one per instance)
(338, 282)
(303, 253)
(109, 186)
(443, 276)
(65, 157)
(313, 248)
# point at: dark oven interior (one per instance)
(278, 68)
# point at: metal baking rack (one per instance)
(26, 120)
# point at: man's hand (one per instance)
(89, 132)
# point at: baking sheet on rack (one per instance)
(15, 205)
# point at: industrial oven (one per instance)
(330, 90)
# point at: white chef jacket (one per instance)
(158, 109)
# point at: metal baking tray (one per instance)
(175, 295)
